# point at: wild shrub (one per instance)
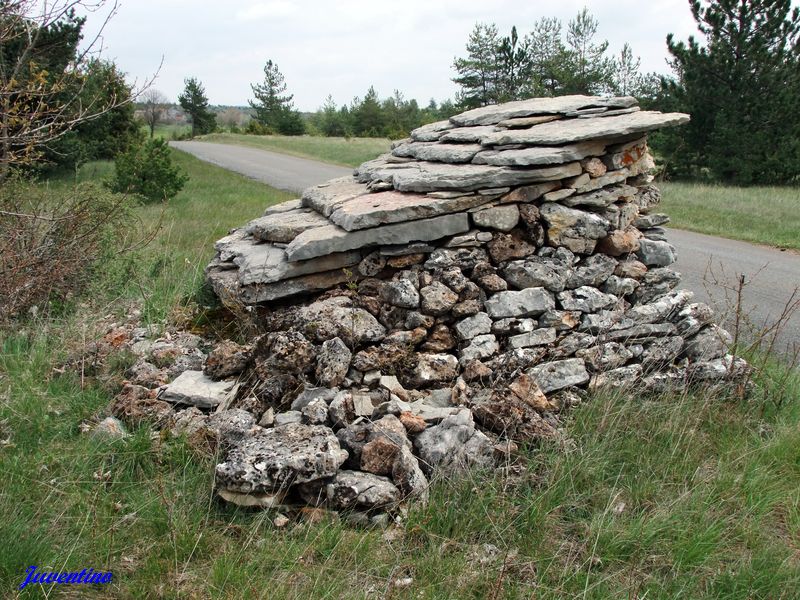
(51, 239)
(148, 172)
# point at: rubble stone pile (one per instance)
(445, 303)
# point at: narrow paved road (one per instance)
(278, 170)
(711, 266)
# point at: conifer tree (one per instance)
(740, 84)
(273, 106)
(478, 72)
(194, 102)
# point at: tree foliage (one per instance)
(393, 117)
(548, 61)
(740, 83)
(147, 170)
(273, 106)
(50, 86)
(194, 102)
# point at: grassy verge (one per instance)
(349, 152)
(694, 496)
(763, 215)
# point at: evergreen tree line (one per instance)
(393, 117)
(550, 60)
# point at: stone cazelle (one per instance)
(450, 299)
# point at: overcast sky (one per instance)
(341, 47)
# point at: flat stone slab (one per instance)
(284, 226)
(429, 177)
(332, 238)
(465, 135)
(282, 207)
(195, 389)
(326, 197)
(560, 374)
(226, 285)
(447, 153)
(265, 263)
(527, 121)
(432, 131)
(275, 459)
(383, 208)
(575, 130)
(490, 115)
(547, 155)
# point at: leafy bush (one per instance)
(148, 171)
(52, 238)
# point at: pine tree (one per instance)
(194, 102)
(626, 72)
(514, 68)
(589, 69)
(368, 116)
(274, 109)
(741, 88)
(478, 72)
(548, 58)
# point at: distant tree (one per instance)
(331, 123)
(368, 115)
(194, 102)
(626, 72)
(548, 58)
(513, 68)
(477, 74)
(154, 105)
(741, 87)
(273, 107)
(589, 70)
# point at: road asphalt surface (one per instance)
(711, 266)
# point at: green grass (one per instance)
(684, 496)
(349, 152)
(763, 215)
(169, 131)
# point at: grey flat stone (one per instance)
(226, 285)
(389, 207)
(447, 153)
(574, 130)
(538, 337)
(432, 131)
(264, 263)
(489, 115)
(502, 218)
(196, 389)
(332, 238)
(546, 155)
(428, 177)
(464, 135)
(381, 168)
(282, 207)
(531, 301)
(326, 197)
(284, 226)
(610, 113)
(560, 374)
(602, 197)
(528, 121)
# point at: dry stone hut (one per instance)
(448, 301)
